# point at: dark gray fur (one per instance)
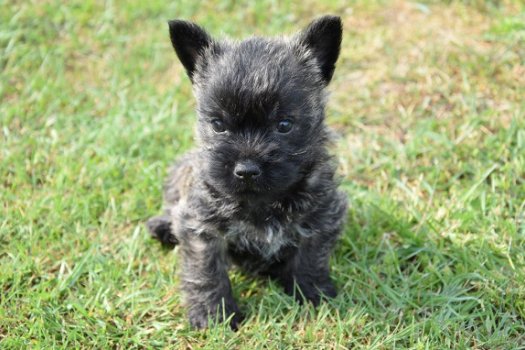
(283, 221)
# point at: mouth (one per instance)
(252, 196)
(247, 188)
(247, 194)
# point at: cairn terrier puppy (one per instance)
(258, 191)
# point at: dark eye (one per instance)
(284, 126)
(218, 126)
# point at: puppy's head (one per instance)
(260, 104)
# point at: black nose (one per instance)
(246, 169)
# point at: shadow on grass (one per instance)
(406, 274)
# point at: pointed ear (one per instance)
(323, 38)
(189, 41)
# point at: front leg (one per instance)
(310, 272)
(306, 274)
(205, 281)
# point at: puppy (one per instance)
(258, 191)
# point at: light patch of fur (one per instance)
(266, 240)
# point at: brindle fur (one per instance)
(282, 224)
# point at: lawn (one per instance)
(428, 108)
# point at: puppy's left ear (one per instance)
(323, 38)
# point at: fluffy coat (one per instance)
(259, 190)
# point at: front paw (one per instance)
(200, 316)
(304, 289)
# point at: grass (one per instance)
(428, 106)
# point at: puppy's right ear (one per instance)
(189, 41)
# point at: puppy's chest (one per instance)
(265, 239)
